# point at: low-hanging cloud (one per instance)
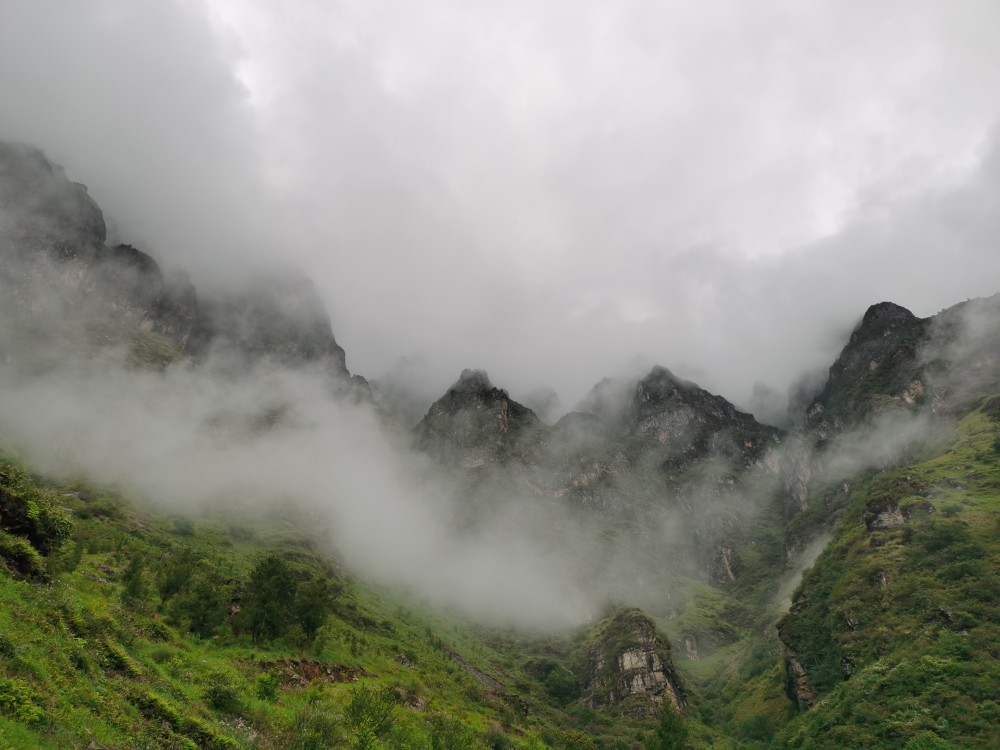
(190, 440)
(546, 192)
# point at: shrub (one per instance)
(134, 590)
(576, 740)
(562, 686)
(670, 733)
(312, 605)
(202, 606)
(222, 694)
(267, 686)
(313, 728)
(450, 734)
(21, 557)
(371, 710)
(19, 701)
(175, 572)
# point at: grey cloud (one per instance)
(546, 191)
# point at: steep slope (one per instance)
(895, 361)
(131, 629)
(893, 635)
(878, 369)
(674, 472)
(64, 290)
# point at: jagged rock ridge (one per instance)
(58, 275)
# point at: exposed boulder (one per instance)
(630, 667)
(797, 685)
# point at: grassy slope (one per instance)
(81, 666)
(899, 627)
(910, 611)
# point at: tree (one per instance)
(203, 604)
(175, 572)
(269, 598)
(312, 605)
(670, 733)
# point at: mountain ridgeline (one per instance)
(64, 284)
(685, 524)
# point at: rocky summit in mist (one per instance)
(656, 568)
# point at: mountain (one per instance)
(897, 361)
(61, 284)
(475, 424)
(744, 586)
(661, 446)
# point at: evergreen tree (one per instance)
(269, 599)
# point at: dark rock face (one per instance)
(630, 667)
(39, 206)
(662, 445)
(54, 265)
(797, 686)
(280, 317)
(56, 275)
(689, 422)
(475, 424)
(878, 369)
(895, 361)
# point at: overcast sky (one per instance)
(553, 191)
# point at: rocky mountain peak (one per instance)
(475, 423)
(472, 381)
(878, 368)
(687, 419)
(881, 319)
(39, 204)
(279, 316)
(57, 273)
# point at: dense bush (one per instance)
(267, 606)
(371, 710)
(20, 556)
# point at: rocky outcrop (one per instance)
(797, 685)
(876, 368)
(658, 445)
(897, 361)
(691, 423)
(475, 424)
(629, 667)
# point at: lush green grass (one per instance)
(898, 623)
(108, 645)
(898, 628)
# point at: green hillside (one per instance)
(898, 623)
(138, 630)
(124, 628)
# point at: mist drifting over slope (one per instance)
(557, 195)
